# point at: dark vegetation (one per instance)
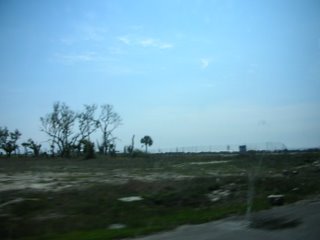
(147, 141)
(87, 211)
(69, 133)
(8, 140)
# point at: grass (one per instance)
(87, 212)
(165, 205)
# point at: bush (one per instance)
(138, 153)
(88, 150)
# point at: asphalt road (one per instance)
(304, 216)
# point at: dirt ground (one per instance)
(55, 176)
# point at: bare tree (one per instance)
(109, 120)
(130, 148)
(87, 122)
(68, 130)
(59, 126)
(8, 140)
(33, 146)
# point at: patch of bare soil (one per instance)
(57, 181)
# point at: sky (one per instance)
(185, 72)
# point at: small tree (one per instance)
(25, 146)
(109, 120)
(88, 124)
(8, 140)
(88, 149)
(147, 141)
(33, 146)
(112, 150)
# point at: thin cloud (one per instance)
(119, 70)
(145, 42)
(124, 39)
(151, 42)
(204, 63)
(148, 42)
(165, 45)
(76, 58)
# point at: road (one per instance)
(304, 216)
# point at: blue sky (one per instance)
(187, 73)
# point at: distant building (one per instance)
(243, 148)
(228, 148)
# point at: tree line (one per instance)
(69, 132)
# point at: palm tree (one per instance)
(147, 141)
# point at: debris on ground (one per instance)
(218, 195)
(130, 199)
